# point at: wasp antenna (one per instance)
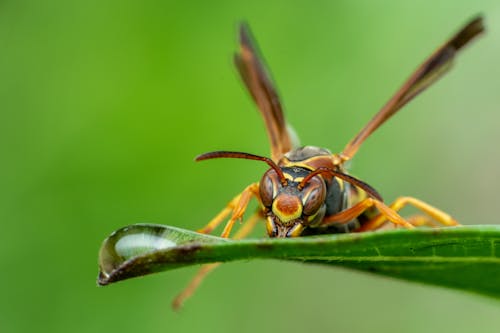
(350, 179)
(246, 156)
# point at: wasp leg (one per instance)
(237, 205)
(206, 269)
(221, 216)
(193, 285)
(437, 214)
(352, 212)
(240, 207)
(422, 220)
(417, 220)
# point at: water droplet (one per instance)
(139, 240)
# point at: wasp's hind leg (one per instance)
(433, 215)
(247, 227)
(361, 207)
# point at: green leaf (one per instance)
(466, 257)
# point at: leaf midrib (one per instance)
(437, 259)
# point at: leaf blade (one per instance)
(458, 257)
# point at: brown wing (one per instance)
(429, 72)
(256, 78)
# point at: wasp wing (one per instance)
(258, 82)
(425, 75)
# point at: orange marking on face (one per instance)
(287, 207)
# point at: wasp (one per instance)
(307, 190)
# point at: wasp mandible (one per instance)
(307, 190)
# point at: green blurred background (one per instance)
(104, 104)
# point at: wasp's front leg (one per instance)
(248, 226)
(237, 206)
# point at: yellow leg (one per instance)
(206, 269)
(436, 214)
(240, 208)
(214, 223)
(356, 210)
(417, 220)
(237, 205)
(422, 220)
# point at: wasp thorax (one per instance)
(292, 206)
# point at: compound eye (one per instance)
(268, 187)
(314, 194)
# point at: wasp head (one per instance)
(292, 202)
